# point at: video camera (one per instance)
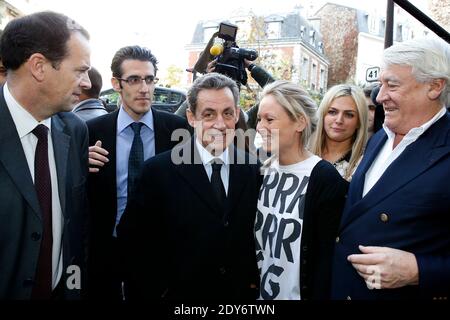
(230, 58)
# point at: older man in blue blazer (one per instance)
(394, 238)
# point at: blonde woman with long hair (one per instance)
(300, 202)
(341, 134)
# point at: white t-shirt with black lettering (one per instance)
(278, 228)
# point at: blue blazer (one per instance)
(407, 209)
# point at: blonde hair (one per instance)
(296, 102)
(360, 136)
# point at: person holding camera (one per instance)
(222, 55)
(259, 74)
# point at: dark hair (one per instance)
(369, 88)
(96, 84)
(379, 110)
(43, 32)
(212, 80)
(132, 53)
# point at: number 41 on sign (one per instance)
(372, 74)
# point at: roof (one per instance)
(293, 27)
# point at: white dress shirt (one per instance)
(25, 124)
(207, 158)
(387, 154)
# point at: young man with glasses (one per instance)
(120, 142)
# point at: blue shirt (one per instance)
(124, 136)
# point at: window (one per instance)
(243, 28)
(312, 37)
(383, 26)
(273, 30)
(320, 47)
(314, 77)
(208, 32)
(302, 31)
(322, 80)
(373, 24)
(399, 32)
(305, 67)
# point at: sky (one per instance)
(165, 26)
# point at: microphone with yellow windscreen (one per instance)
(216, 49)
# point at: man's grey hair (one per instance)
(212, 80)
(428, 57)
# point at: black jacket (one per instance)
(102, 192)
(179, 245)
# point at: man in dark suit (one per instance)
(394, 240)
(90, 105)
(188, 233)
(43, 158)
(134, 77)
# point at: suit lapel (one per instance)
(237, 181)
(414, 160)
(109, 142)
(61, 143)
(13, 157)
(359, 177)
(162, 137)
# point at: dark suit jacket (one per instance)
(179, 243)
(414, 196)
(20, 215)
(103, 190)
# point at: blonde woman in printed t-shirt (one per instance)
(300, 201)
(342, 128)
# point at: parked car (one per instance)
(165, 99)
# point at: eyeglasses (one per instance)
(136, 80)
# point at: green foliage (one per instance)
(317, 96)
(173, 77)
(248, 98)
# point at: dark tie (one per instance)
(216, 182)
(42, 288)
(136, 158)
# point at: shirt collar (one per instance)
(208, 157)
(24, 121)
(124, 120)
(414, 133)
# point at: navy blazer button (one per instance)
(222, 271)
(337, 239)
(384, 217)
(28, 282)
(305, 248)
(226, 224)
(349, 298)
(35, 236)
